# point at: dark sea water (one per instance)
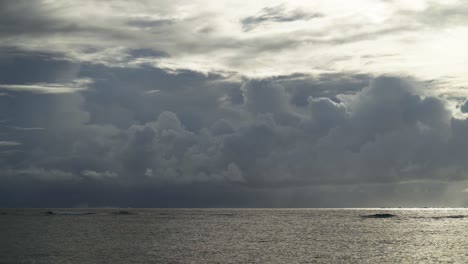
(234, 236)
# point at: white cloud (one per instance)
(204, 36)
(75, 86)
(99, 175)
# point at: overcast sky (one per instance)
(174, 103)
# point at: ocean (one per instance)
(233, 236)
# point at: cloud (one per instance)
(203, 132)
(75, 86)
(438, 14)
(145, 53)
(41, 175)
(26, 67)
(25, 128)
(98, 175)
(285, 109)
(464, 107)
(35, 21)
(254, 134)
(9, 143)
(284, 39)
(276, 14)
(149, 23)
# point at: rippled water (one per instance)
(235, 236)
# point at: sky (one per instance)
(157, 103)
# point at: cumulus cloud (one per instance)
(145, 113)
(253, 134)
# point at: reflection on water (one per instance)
(233, 236)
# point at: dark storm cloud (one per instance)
(219, 141)
(123, 96)
(276, 14)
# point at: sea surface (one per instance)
(233, 236)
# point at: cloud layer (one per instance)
(210, 134)
(176, 103)
(258, 40)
